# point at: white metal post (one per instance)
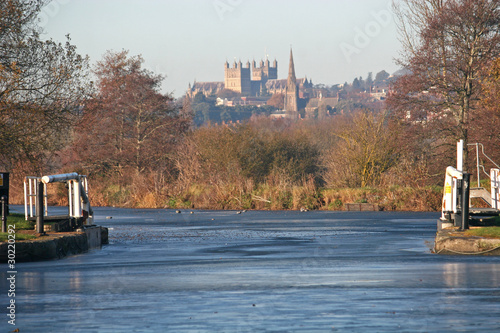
(477, 162)
(77, 201)
(70, 197)
(460, 155)
(31, 197)
(25, 200)
(45, 196)
(495, 188)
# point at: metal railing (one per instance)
(30, 191)
(478, 162)
(74, 186)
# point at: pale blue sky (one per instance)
(333, 41)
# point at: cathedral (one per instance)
(254, 84)
(256, 81)
(249, 81)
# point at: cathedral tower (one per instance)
(292, 91)
(238, 78)
(265, 71)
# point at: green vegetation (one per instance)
(20, 224)
(489, 232)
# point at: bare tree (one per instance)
(42, 84)
(129, 125)
(413, 17)
(365, 150)
(486, 121)
(446, 43)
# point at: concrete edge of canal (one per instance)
(56, 245)
(450, 241)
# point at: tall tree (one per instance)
(364, 151)
(42, 84)
(356, 84)
(130, 125)
(446, 44)
(369, 82)
(486, 121)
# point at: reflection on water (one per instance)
(470, 275)
(75, 281)
(452, 274)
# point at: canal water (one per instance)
(255, 271)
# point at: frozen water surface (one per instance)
(219, 271)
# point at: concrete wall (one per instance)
(57, 246)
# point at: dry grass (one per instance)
(308, 196)
(277, 193)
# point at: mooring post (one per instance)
(39, 207)
(465, 200)
(3, 200)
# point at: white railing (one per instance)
(78, 199)
(30, 189)
(495, 188)
(479, 166)
(453, 175)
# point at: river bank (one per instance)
(56, 245)
(454, 242)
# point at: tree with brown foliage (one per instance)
(42, 84)
(485, 123)
(446, 44)
(130, 126)
(256, 150)
(366, 149)
(277, 100)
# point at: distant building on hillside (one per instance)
(379, 93)
(250, 80)
(320, 107)
(279, 86)
(206, 88)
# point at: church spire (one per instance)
(291, 69)
(292, 92)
